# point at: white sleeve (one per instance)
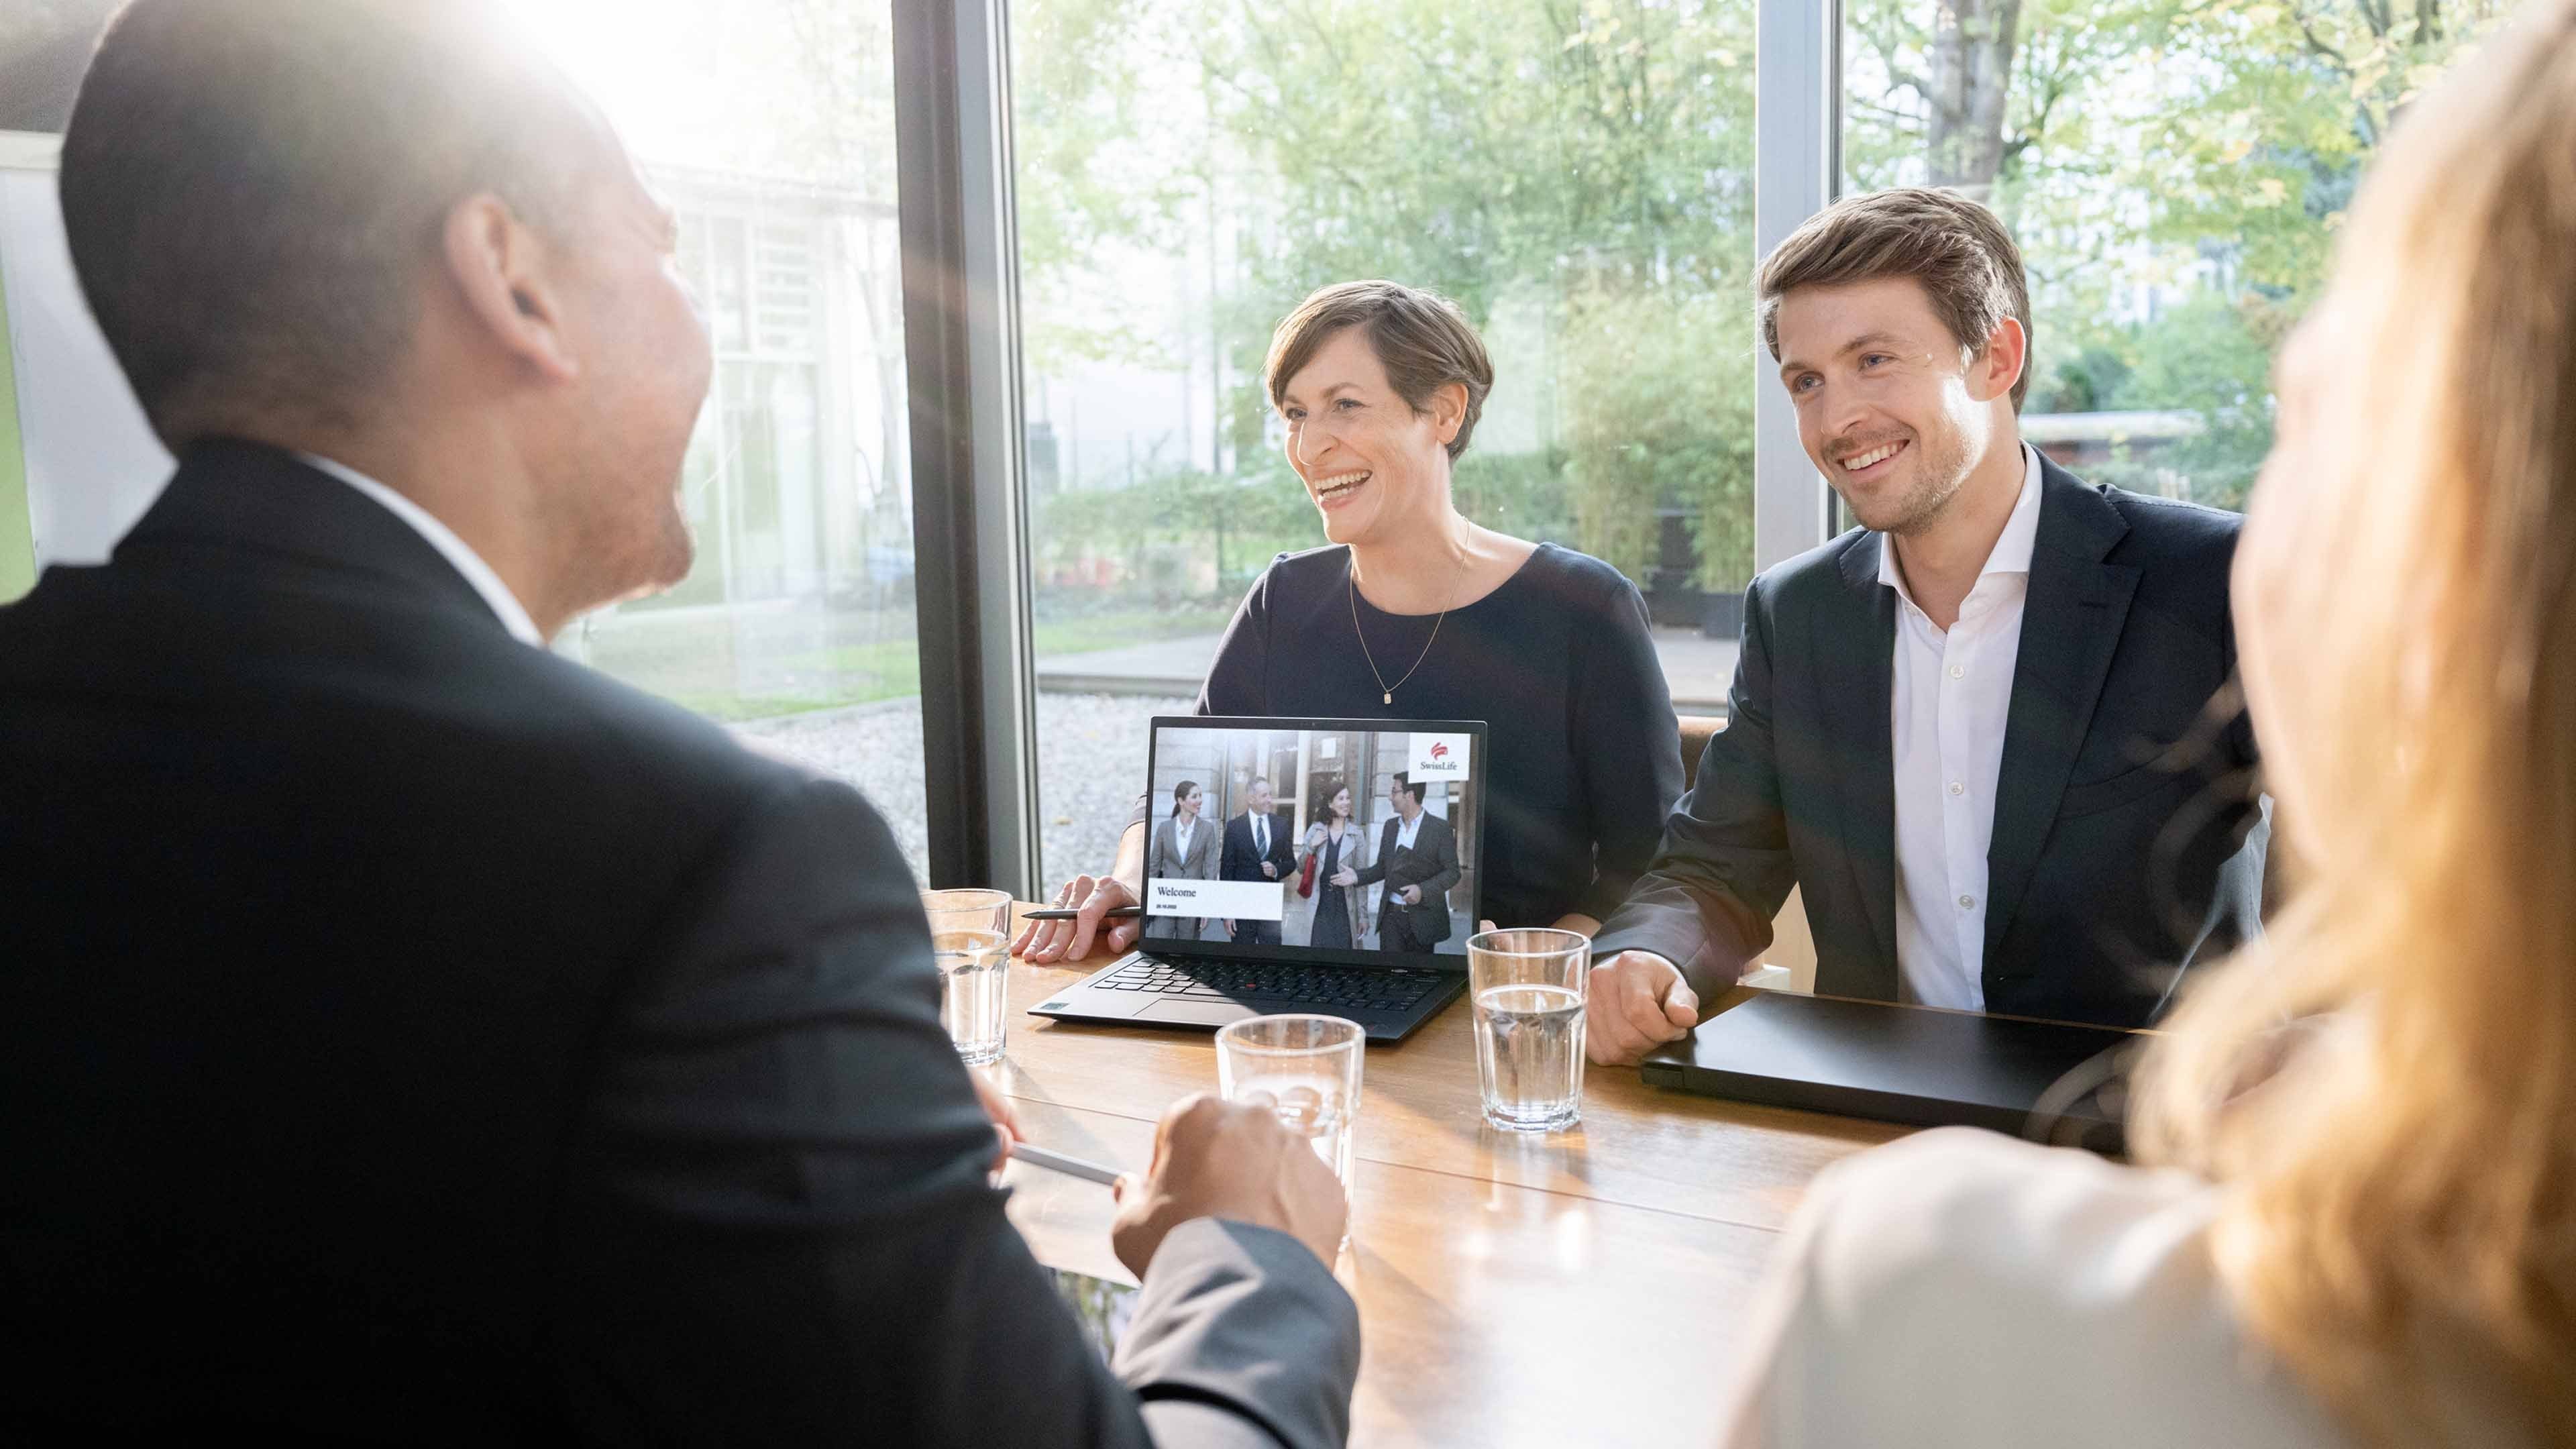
(1960, 1288)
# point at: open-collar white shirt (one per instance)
(1951, 697)
(1409, 831)
(459, 554)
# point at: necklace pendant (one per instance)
(1387, 698)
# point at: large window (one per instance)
(1577, 174)
(1578, 177)
(768, 127)
(2175, 173)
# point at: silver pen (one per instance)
(1070, 1166)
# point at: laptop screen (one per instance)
(1342, 841)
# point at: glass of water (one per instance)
(1528, 992)
(970, 939)
(1307, 1068)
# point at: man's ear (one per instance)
(499, 267)
(1997, 366)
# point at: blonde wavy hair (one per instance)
(2386, 1086)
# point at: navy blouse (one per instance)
(1585, 750)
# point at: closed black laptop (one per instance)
(1301, 865)
(2051, 1081)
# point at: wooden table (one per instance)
(1584, 1289)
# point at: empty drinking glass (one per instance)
(1527, 986)
(1307, 1068)
(970, 940)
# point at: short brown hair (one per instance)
(250, 188)
(1957, 249)
(1420, 338)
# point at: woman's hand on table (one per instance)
(1047, 942)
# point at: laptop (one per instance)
(1370, 924)
(2051, 1081)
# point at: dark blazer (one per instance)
(1241, 862)
(2128, 840)
(1432, 864)
(408, 1034)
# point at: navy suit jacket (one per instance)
(1241, 862)
(408, 1035)
(2129, 835)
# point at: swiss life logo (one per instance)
(1440, 757)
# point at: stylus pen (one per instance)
(1114, 913)
(1069, 1166)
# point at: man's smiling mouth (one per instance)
(1862, 462)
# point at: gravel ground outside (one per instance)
(1091, 763)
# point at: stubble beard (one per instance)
(624, 552)
(1939, 475)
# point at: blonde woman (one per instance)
(2355, 1222)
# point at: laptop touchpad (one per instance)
(1197, 1013)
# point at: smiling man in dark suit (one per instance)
(1989, 732)
(407, 1034)
(1417, 857)
(1257, 850)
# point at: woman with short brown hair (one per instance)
(1415, 611)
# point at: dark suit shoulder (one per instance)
(588, 745)
(1818, 574)
(2171, 529)
(590, 709)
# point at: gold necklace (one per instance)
(1386, 691)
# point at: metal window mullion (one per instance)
(962, 372)
(1797, 169)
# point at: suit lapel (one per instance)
(1854, 643)
(2071, 623)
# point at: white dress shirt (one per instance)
(1406, 832)
(1183, 830)
(1960, 1290)
(459, 554)
(1951, 694)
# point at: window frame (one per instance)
(962, 335)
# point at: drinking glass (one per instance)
(970, 940)
(1306, 1068)
(1527, 986)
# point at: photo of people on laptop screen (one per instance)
(1338, 839)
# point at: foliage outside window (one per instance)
(1576, 176)
(2176, 171)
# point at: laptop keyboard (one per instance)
(1347, 986)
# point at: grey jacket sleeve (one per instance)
(776, 1225)
(1723, 868)
(1246, 1321)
